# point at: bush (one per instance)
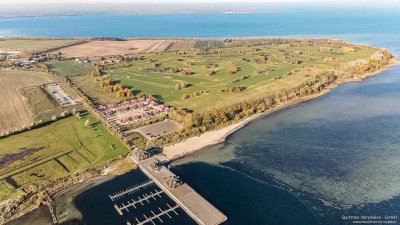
(234, 89)
(181, 85)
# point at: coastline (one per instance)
(210, 138)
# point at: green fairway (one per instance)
(54, 151)
(32, 44)
(69, 67)
(261, 77)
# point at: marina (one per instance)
(156, 167)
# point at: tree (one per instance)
(43, 67)
(96, 72)
(210, 72)
(64, 114)
(186, 72)
(232, 69)
(26, 54)
(181, 85)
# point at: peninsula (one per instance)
(108, 96)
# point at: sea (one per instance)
(329, 161)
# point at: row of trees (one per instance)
(371, 64)
(234, 89)
(96, 72)
(110, 86)
(194, 94)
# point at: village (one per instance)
(131, 111)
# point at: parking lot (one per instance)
(159, 129)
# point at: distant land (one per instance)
(11, 10)
(16, 11)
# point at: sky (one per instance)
(2, 2)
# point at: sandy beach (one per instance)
(214, 137)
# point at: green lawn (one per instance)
(63, 147)
(32, 44)
(162, 84)
(69, 67)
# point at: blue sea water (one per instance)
(318, 21)
(306, 165)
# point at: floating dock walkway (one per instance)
(131, 190)
(184, 196)
(140, 200)
(157, 216)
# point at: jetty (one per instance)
(133, 203)
(157, 216)
(130, 190)
(52, 208)
(157, 168)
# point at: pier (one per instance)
(198, 208)
(131, 190)
(155, 216)
(140, 200)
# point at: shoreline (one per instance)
(214, 137)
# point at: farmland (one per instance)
(33, 45)
(259, 71)
(104, 48)
(54, 151)
(14, 112)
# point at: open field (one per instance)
(38, 100)
(260, 70)
(104, 48)
(68, 67)
(14, 112)
(33, 45)
(54, 151)
(90, 86)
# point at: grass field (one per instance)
(32, 44)
(261, 77)
(90, 86)
(14, 112)
(54, 151)
(69, 67)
